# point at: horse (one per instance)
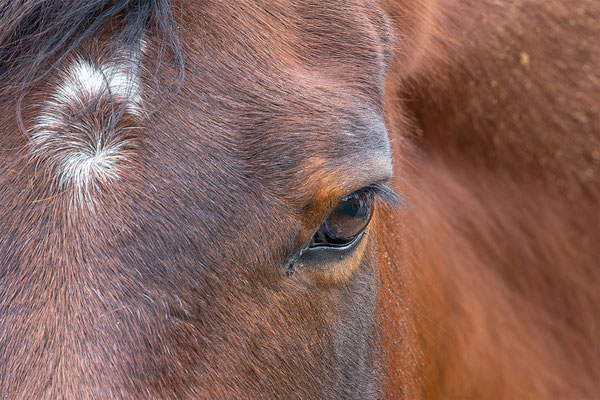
(299, 199)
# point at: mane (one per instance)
(36, 35)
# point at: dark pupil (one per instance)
(347, 221)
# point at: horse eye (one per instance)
(349, 219)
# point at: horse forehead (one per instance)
(283, 115)
(287, 99)
(348, 42)
(286, 130)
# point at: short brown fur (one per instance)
(175, 284)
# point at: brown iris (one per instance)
(347, 221)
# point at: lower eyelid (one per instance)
(312, 256)
(330, 264)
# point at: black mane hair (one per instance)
(35, 35)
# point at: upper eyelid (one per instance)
(381, 191)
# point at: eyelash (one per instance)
(385, 195)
